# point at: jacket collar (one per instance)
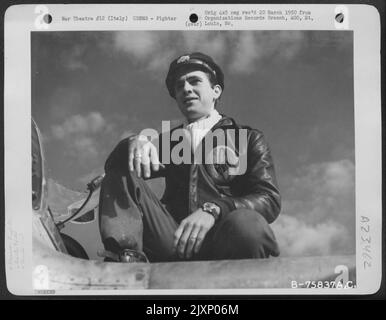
(225, 121)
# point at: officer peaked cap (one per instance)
(195, 60)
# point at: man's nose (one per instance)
(187, 87)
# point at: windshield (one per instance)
(37, 167)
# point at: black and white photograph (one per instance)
(193, 160)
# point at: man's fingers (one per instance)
(193, 237)
(183, 239)
(137, 163)
(136, 152)
(154, 159)
(146, 165)
(181, 247)
(143, 157)
(131, 158)
(177, 235)
(200, 239)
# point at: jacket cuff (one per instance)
(226, 205)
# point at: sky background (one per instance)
(91, 89)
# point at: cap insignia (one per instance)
(183, 59)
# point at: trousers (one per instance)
(132, 217)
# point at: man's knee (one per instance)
(118, 187)
(246, 222)
(120, 221)
(251, 234)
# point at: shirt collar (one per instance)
(205, 123)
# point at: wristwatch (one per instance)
(213, 209)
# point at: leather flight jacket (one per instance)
(250, 184)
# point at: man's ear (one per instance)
(217, 91)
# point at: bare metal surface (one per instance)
(66, 273)
(267, 273)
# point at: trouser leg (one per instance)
(241, 234)
(132, 217)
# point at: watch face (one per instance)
(211, 209)
(209, 206)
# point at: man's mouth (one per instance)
(190, 99)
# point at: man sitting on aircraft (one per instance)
(219, 207)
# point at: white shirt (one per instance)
(200, 128)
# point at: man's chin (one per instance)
(193, 115)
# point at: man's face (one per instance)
(195, 95)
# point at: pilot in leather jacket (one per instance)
(209, 210)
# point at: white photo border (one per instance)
(21, 20)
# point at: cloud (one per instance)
(86, 140)
(86, 145)
(245, 52)
(287, 44)
(238, 49)
(80, 136)
(296, 238)
(149, 49)
(323, 191)
(252, 47)
(318, 214)
(73, 57)
(213, 43)
(140, 44)
(63, 101)
(91, 123)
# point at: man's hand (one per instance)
(143, 156)
(191, 232)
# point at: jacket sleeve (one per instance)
(119, 157)
(256, 189)
(119, 160)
